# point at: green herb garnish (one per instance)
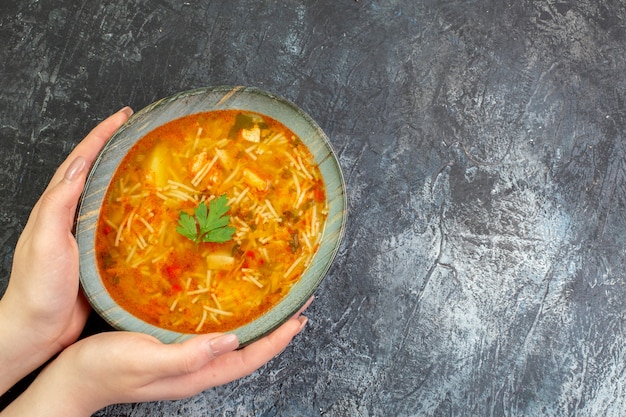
(208, 224)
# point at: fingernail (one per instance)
(304, 307)
(224, 344)
(75, 169)
(303, 321)
(127, 110)
(309, 302)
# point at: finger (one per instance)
(57, 205)
(192, 366)
(235, 365)
(201, 350)
(263, 350)
(185, 358)
(304, 307)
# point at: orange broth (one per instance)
(277, 205)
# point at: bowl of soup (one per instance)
(214, 210)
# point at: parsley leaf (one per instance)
(208, 224)
(187, 226)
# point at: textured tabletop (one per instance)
(483, 146)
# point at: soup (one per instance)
(209, 221)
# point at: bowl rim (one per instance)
(197, 101)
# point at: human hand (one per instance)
(122, 367)
(42, 310)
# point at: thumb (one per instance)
(58, 204)
(195, 353)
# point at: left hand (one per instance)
(43, 310)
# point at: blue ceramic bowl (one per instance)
(175, 107)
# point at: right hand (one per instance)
(122, 367)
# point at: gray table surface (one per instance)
(483, 145)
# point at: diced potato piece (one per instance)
(251, 135)
(225, 159)
(253, 180)
(220, 262)
(156, 165)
